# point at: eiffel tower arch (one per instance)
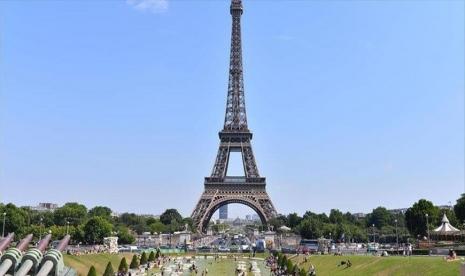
(221, 189)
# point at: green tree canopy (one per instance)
(459, 209)
(380, 217)
(96, 229)
(92, 271)
(293, 220)
(311, 228)
(415, 216)
(336, 216)
(143, 258)
(151, 256)
(124, 236)
(157, 227)
(109, 270)
(169, 216)
(73, 212)
(134, 262)
(123, 266)
(15, 219)
(101, 211)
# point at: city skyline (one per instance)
(350, 110)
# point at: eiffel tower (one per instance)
(221, 189)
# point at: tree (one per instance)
(336, 216)
(101, 211)
(71, 212)
(15, 219)
(415, 216)
(380, 217)
(157, 227)
(293, 220)
(109, 270)
(143, 258)
(134, 262)
(459, 208)
(96, 229)
(123, 266)
(92, 271)
(124, 236)
(289, 267)
(311, 228)
(151, 256)
(169, 216)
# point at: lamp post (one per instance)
(40, 232)
(4, 219)
(397, 238)
(67, 227)
(427, 227)
(374, 237)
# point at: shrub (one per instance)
(134, 262)
(92, 271)
(123, 266)
(151, 256)
(143, 258)
(109, 270)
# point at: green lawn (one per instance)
(370, 265)
(99, 261)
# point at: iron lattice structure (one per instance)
(221, 189)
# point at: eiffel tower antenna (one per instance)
(221, 189)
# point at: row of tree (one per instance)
(91, 226)
(380, 225)
(87, 226)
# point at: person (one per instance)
(312, 271)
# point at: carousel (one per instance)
(446, 232)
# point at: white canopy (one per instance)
(284, 228)
(445, 227)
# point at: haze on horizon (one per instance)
(353, 105)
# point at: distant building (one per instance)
(223, 212)
(45, 207)
(398, 211)
(359, 215)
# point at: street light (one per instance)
(427, 227)
(4, 218)
(374, 237)
(40, 232)
(67, 227)
(397, 238)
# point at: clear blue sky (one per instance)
(353, 104)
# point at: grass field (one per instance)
(370, 265)
(99, 261)
(325, 265)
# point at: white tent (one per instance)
(445, 227)
(284, 228)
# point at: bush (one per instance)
(92, 271)
(143, 258)
(134, 262)
(420, 252)
(123, 266)
(109, 270)
(151, 256)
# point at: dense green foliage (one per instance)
(151, 256)
(109, 270)
(459, 208)
(143, 258)
(86, 226)
(123, 266)
(134, 262)
(92, 271)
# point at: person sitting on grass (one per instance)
(346, 263)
